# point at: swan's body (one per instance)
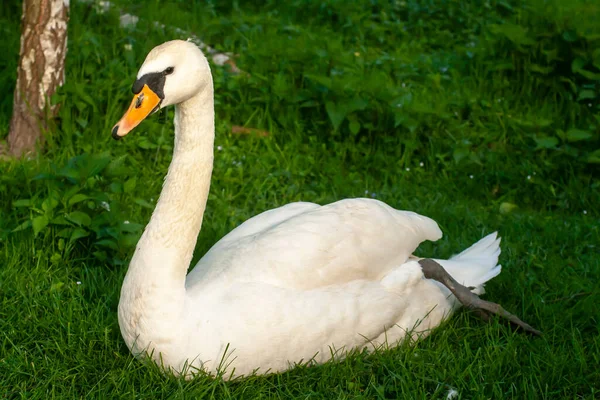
(290, 285)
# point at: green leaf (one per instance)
(129, 185)
(586, 94)
(78, 233)
(541, 69)
(588, 74)
(575, 135)
(354, 127)
(82, 94)
(129, 240)
(577, 64)
(116, 167)
(335, 113)
(82, 122)
(533, 122)
(77, 198)
(116, 187)
(507, 208)
(22, 203)
(65, 233)
(402, 119)
(60, 220)
(144, 203)
(70, 192)
(70, 173)
(577, 67)
(101, 255)
(111, 244)
(22, 226)
(39, 223)
(79, 217)
(460, 153)
(403, 101)
(56, 258)
(321, 80)
(146, 144)
(594, 157)
(546, 142)
(98, 163)
(515, 33)
(356, 104)
(43, 176)
(309, 104)
(49, 204)
(131, 227)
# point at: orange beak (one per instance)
(143, 104)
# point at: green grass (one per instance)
(448, 109)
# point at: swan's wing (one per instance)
(314, 246)
(253, 226)
(267, 220)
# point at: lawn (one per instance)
(484, 116)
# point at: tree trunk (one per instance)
(41, 71)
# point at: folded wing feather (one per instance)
(304, 246)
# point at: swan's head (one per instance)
(171, 74)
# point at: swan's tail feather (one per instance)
(476, 265)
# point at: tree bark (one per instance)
(41, 71)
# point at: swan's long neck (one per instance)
(168, 242)
(154, 288)
(176, 221)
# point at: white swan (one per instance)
(286, 286)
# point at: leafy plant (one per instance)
(80, 202)
(553, 50)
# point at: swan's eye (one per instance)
(169, 71)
